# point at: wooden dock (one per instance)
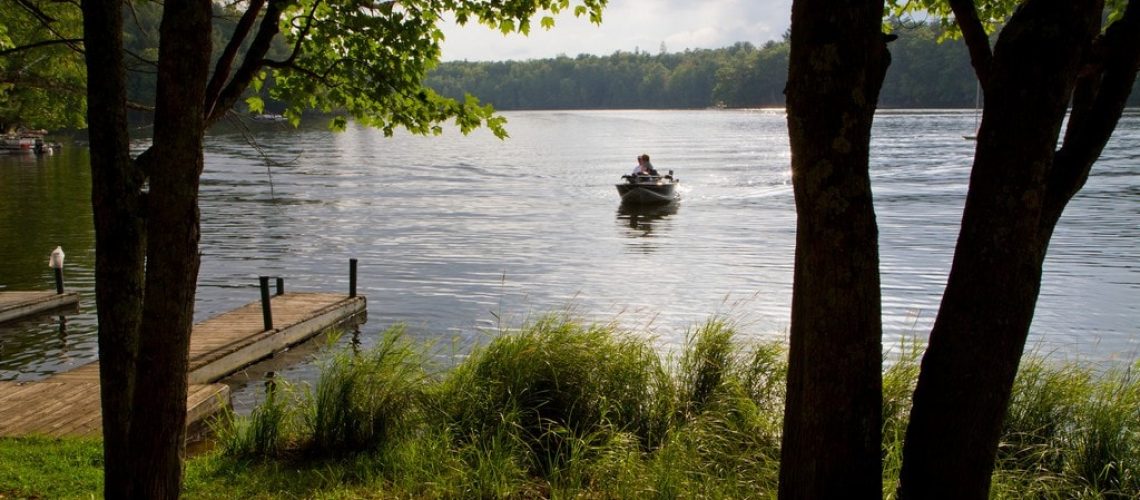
(67, 404)
(16, 305)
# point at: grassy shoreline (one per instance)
(562, 409)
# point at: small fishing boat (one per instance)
(648, 189)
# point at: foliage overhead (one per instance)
(42, 77)
(366, 60)
(991, 13)
(358, 59)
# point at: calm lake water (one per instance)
(458, 234)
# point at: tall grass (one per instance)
(362, 399)
(558, 408)
(359, 402)
(268, 429)
(555, 382)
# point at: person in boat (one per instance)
(644, 167)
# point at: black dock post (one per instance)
(266, 313)
(280, 286)
(352, 277)
(59, 280)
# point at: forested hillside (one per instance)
(923, 74)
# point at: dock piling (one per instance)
(56, 263)
(59, 281)
(266, 311)
(352, 277)
(280, 286)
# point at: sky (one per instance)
(628, 25)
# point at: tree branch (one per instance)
(251, 63)
(140, 58)
(225, 62)
(70, 42)
(974, 34)
(36, 12)
(300, 38)
(322, 76)
(1101, 93)
(47, 21)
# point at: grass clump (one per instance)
(554, 383)
(563, 409)
(360, 401)
(555, 408)
(1070, 433)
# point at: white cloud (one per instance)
(628, 25)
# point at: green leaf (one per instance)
(256, 105)
(547, 22)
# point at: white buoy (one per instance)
(56, 260)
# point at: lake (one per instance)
(458, 236)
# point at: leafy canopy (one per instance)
(991, 13)
(367, 60)
(42, 78)
(359, 59)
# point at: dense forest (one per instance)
(924, 73)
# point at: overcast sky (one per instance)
(628, 25)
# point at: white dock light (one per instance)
(56, 262)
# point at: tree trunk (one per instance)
(158, 433)
(979, 335)
(119, 234)
(832, 418)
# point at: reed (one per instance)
(563, 409)
(270, 429)
(558, 408)
(1106, 441)
(555, 381)
(362, 399)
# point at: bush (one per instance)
(556, 381)
(362, 399)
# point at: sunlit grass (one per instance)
(39, 467)
(559, 408)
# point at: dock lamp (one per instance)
(56, 263)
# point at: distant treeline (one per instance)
(923, 74)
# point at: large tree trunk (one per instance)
(832, 419)
(158, 433)
(1017, 189)
(119, 238)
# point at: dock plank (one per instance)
(18, 305)
(59, 409)
(67, 404)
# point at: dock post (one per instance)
(280, 286)
(352, 277)
(59, 280)
(266, 312)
